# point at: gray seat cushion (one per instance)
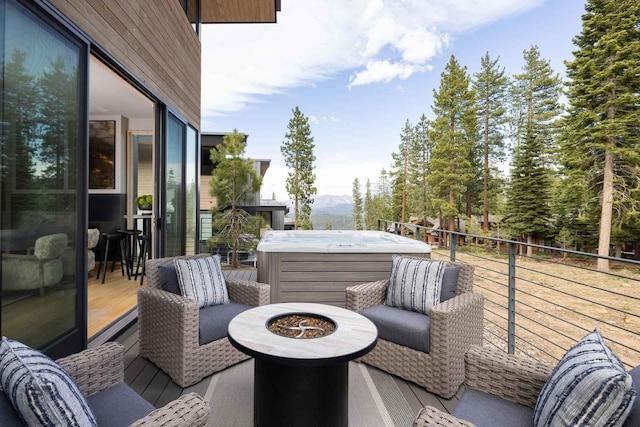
(404, 327)
(214, 320)
(118, 406)
(487, 410)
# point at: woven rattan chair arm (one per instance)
(365, 295)
(189, 410)
(247, 292)
(430, 416)
(169, 320)
(96, 369)
(515, 378)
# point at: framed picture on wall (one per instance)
(102, 154)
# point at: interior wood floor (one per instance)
(109, 300)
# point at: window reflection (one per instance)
(38, 202)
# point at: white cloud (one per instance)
(384, 72)
(373, 40)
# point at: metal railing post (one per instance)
(379, 224)
(452, 246)
(417, 233)
(511, 333)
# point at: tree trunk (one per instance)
(452, 218)
(485, 183)
(606, 212)
(529, 248)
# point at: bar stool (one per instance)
(129, 239)
(145, 243)
(111, 238)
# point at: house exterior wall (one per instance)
(152, 39)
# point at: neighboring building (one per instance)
(100, 103)
(271, 211)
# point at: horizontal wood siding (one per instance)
(229, 11)
(152, 39)
(320, 277)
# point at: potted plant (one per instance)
(145, 202)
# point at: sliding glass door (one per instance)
(174, 206)
(43, 187)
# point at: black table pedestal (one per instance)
(308, 396)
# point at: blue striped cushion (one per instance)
(39, 389)
(589, 387)
(201, 280)
(415, 284)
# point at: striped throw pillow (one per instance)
(415, 284)
(201, 280)
(39, 389)
(589, 387)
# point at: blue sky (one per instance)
(359, 70)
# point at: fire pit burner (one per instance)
(301, 325)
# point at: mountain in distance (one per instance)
(329, 208)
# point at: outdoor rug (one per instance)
(374, 398)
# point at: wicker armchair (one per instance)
(456, 324)
(95, 370)
(168, 328)
(512, 378)
(493, 371)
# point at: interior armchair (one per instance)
(427, 349)
(185, 341)
(42, 269)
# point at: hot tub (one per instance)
(316, 266)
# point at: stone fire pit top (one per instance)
(354, 333)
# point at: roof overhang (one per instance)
(238, 11)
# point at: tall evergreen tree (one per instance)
(400, 174)
(528, 196)
(454, 134)
(602, 131)
(491, 87)
(297, 150)
(420, 151)
(370, 220)
(233, 178)
(358, 220)
(20, 101)
(539, 88)
(57, 106)
(382, 199)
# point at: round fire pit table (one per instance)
(302, 381)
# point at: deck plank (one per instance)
(142, 380)
(408, 394)
(133, 370)
(156, 387)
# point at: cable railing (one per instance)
(541, 304)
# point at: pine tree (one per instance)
(420, 152)
(382, 200)
(357, 206)
(539, 88)
(232, 179)
(297, 150)
(400, 175)
(491, 87)
(454, 134)
(370, 220)
(57, 106)
(528, 196)
(602, 130)
(20, 101)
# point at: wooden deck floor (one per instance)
(158, 389)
